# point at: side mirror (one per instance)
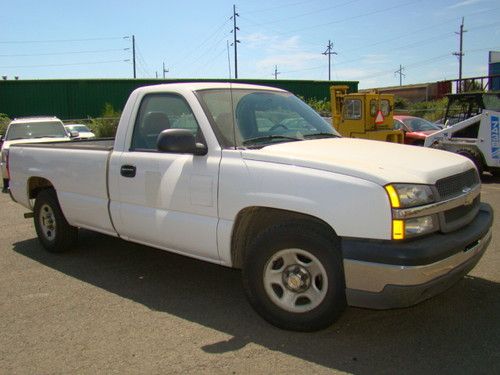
(73, 134)
(179, 141)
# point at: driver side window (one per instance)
(159, 112)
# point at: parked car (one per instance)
(83, 131)
(30, 130)
(416, 129)
(250, 177)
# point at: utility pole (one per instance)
(401, 74)
(235, 42)
(329, 52)
(228, 58)
(276, 72)
(133, 53)
(164, 70)
(460, 54)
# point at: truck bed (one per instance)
(78, 171)
(100, 144)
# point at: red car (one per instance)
(416, 129)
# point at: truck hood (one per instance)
(7, 144)
(376, 161)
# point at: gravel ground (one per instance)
(110, 306)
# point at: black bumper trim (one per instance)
(423, 251)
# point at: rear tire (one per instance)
(294, 278)
(54, 232)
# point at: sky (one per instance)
(55, 39)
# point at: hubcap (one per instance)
(295, 280)
(47, 222)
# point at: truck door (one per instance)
(166, 200)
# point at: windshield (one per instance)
(419, 124)
(78, 128)
(49, 129)
(262, 117)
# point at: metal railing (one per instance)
(484, 83)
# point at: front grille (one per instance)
(461, 212)
(452, 186)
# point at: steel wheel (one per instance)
(52, 228)
(295, 280)
(47, 222)
(293, 275)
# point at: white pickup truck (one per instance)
(250, 177)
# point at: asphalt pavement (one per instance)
(110, 306)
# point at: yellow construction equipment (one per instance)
(364, 115)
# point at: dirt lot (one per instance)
(115, 307)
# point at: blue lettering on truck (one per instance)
(495, 137)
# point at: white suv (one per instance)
(30, 130)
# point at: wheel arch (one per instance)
(251, 221)
(36, 184)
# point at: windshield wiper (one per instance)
(320, 135)
(270, 138)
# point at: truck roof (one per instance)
(195, 86)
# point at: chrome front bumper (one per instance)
(386, 284)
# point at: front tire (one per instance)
(293, 276)
(54, 232)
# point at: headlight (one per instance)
(404, 196)
(407, 195)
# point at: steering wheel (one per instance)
(277, 126)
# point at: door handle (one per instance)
(128, 171)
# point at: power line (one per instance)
(277, 7)
(65, 53)
(213, 60)
(204, 42)
(70, 64)
(286, 19)
(143, 64)
(59, 40)
(442, 23)
(208, 54)
(303, 70)
(352, 17)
